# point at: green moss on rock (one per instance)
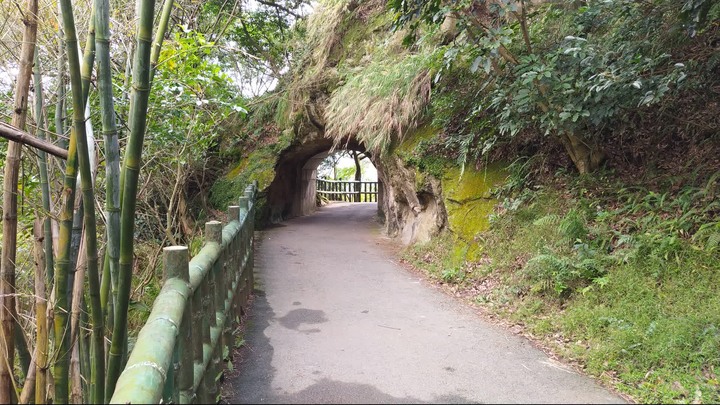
(417, 151)
(258, 165)
(469, 203)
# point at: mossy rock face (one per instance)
(469, 203)
(417, 150)
(259, 165)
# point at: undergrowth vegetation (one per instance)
(622, 280)
(614, 268)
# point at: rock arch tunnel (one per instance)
(410, 210)
(292, 192)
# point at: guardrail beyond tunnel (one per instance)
(348, 190)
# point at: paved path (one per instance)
(336, 321)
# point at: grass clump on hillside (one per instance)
(622, 280)
(381, 102)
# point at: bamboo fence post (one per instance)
(197, 339)
(244, 212)
(250, 264)
(231, 265)
(213, 234)
(171, 393)
(181, 381)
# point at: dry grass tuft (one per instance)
(315, 67)
(378, 104)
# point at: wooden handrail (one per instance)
(179, 351)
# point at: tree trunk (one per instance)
(358, 175)
(12, 165)
(587, 157)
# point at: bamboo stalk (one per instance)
(77, 153)
(76, 396)
(16, 135)
(86, 350)
(29, 386)
(112, 171)
(41, 120)
(44, 265)
(10, 191)
(21, 347)
(97, 345)
(62, 264)
(163, 25)
(76, 392)
(76, 238)
(60, 104)
(88, 56)
(41, 347)
(131, 170)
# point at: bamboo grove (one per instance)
(81, 82)
(82, 279)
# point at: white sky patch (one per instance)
(369, 173)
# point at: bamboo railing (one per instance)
(179, 353)
(348, 191)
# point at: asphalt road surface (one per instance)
(335, 320)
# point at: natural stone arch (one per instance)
(292, 191)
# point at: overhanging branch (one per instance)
(10, 132)
(280, 7)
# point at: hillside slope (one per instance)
(555, 163)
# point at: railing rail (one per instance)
(348, 190)
(179, 353)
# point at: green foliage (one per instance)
(624, 276)
(194, 99)
(554, 68)
(346, 173)
(426, 158)
(586, 80)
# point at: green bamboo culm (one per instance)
(97, 343)
(112, 168)
(163, 25)
(42, 165)
(88, 57)
(131, 171)
(80, 149)
(60, 103)
(61, 322)
(85, 76)
(42, 337)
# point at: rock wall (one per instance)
(420, 194)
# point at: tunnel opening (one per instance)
(345, 176)
(293, 192)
